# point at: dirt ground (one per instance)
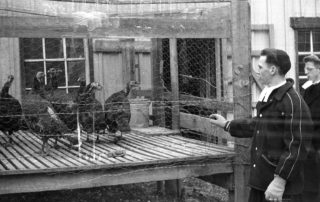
(194, 190)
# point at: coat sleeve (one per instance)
(297, 129)
(242, 128)
(316, 121)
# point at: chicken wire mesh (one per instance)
(59, 103)
(198, 70)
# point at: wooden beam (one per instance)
(30, 26)
(157, 82)
(106, 46)
(194, 25)
(113, 46)
(173, 187)
(305, 22)
(222, 180)
(260, 27)
(117, 2)
(241, 65)
(210, 104)
(226, 79)
(174, 72)
(218, 69)
(128, 56)
(95, 178)
(203, 125)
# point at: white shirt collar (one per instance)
(266, 92)
(309, 83)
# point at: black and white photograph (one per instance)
(159, 100)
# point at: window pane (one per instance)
(31, 69)
(316, 40)
(75, 48)
(75, 70)
(54, 48)
(301, 65)
(60, 66)
(304, 41)
(32, 48)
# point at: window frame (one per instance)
(303, 24)
(65, 60)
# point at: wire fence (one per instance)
(52, 112)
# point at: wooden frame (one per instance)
(105, 177)
(305, 22)
(195, 25)
(119, 2)
(241, 64)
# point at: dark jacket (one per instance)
(312, 97)
(279, 143)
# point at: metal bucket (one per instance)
(139, 108)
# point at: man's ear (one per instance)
(273, 69)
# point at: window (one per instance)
(66, 54)
(308, 43)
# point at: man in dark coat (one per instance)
(312, 97)
(278, 133)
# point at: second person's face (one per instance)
(312, 72)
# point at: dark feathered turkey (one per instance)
(42, 119)
(91, 113)
(117, 110)
(10, 111)
(63, 103)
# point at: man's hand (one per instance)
(275, 189)
(218, 120)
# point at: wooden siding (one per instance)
(278, 13)
(10, 64)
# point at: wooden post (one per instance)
(128, 57)
(173, 187)
(218, 69)
(241, 64)
(157, 82)
(157, 91)
(174, 83)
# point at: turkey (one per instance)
(10, 112)
(117, 110)
(39, 84)
(90, 109)
(41, 117)
(63, 103)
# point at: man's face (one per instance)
(264, 71)
(312, 72)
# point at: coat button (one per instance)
(256, 148)
(254, 165)
(282, 113)
(258, 131)
(260, 115)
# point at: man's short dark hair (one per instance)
(278, 58)
(312, 58)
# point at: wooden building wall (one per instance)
(10, 64)
(276, 14)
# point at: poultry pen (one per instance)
(181, 99)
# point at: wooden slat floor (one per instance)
(141, 149)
